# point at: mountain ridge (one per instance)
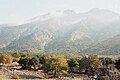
(61, 32)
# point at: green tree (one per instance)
(42, 59)
(72, 64)
(117, 64)
(90, 64)
(28, 63)
(25, 63)
(106, 61)
(34, 62)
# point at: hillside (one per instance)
(61, 32)
(110, 46)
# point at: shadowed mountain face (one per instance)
(64, 32)
(109, 46)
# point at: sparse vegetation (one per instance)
(54, 65)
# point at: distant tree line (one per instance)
(56, 64)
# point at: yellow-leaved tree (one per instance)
(56, 65)
(6, 58)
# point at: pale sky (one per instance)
(12, 11)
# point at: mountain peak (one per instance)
(94, 10)
(69, 11)
(55, 13)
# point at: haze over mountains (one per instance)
(94, 32)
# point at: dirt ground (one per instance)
(20, 74)
(6, 74)
(11, 71)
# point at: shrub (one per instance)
(6, 58)
(27, 63)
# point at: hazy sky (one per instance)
(12, 11)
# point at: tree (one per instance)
(28, 63)
(42, 59)
(34, 62)
(106, 61)
(90, 64)
(6, 58)
(24, 62)
(56, 65)
(117, 64)
(72, 64)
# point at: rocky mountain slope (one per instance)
(109, 46)
(61, 32)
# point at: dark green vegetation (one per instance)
(55, 65)
(95, 32)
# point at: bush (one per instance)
(27, 63)
(6, 58)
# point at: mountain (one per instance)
(60, 32)
(109, 46)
